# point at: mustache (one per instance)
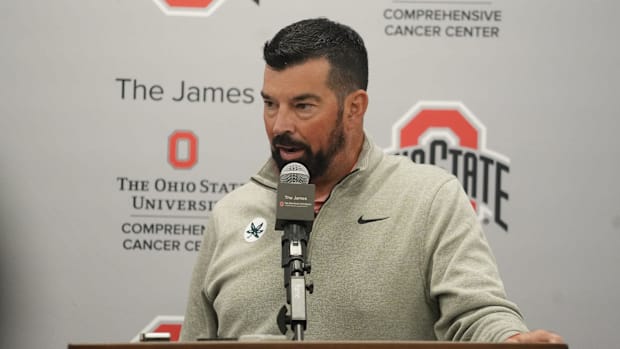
(286, 140)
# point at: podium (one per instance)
(316, 345)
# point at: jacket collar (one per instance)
(370, 156)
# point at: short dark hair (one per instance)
(322, 38)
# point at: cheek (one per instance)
(268, 129)
(318, 137)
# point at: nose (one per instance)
(283, 122)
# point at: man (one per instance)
(396, 250)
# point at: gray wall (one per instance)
(543, 92)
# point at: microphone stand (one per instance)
(294, 250)
(294, 216)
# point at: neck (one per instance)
(340, 167)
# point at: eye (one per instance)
(305, 109)
(270, 106)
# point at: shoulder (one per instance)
(259, 190)
(394, 178)
(250, 194)
(399, 170)
(408, 174)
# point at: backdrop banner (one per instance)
(124, 122)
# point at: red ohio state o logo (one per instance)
(426, 119)
(191, 8)
(189, 3)
(171, 324)
(182, 150)
(199, 8)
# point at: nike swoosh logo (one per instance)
(361, 220)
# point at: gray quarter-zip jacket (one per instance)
(424, 271)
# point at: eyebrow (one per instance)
(298, 98)
(306, 96)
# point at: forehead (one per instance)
(310, 76)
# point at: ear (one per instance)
(355, 107)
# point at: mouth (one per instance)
(288, 153)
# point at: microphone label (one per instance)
(295, 203)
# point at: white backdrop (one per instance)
(87, 183)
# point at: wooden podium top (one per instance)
(315, 345)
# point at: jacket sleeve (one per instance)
(200, 318)
(462, 277)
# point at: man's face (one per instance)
(302, 116)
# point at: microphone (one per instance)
(295, 205)
(294, 172)
(294, 216)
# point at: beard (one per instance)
(318, 162)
